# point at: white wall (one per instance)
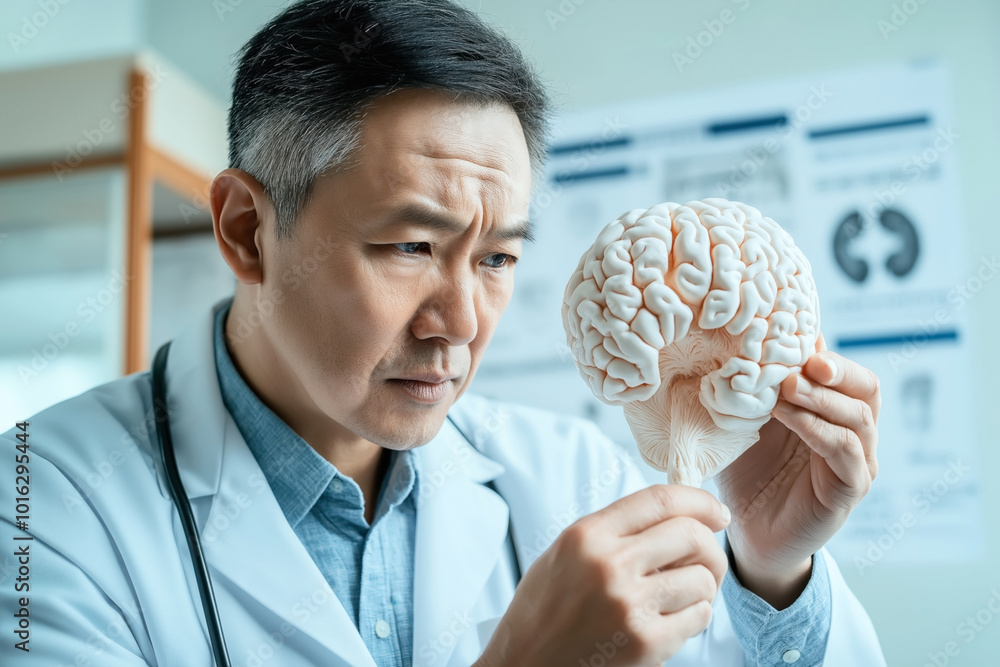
(41, 32)
(203, 36)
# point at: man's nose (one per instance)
(449, 312)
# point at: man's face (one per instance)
(398, 269)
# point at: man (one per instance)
(382, 156)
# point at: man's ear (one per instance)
(239, 206)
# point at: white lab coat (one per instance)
(110, 572)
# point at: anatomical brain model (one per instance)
(690, 316)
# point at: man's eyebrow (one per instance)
(422, 216)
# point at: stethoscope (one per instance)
(165, 447)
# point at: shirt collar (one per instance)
(296, 473)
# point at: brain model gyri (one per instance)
(690, 316)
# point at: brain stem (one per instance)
(691, 430)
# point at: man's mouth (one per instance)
(424, 391)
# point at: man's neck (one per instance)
(363, 461)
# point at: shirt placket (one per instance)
(377, 617)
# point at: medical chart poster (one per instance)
(861, 168)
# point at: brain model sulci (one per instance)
(690, 316)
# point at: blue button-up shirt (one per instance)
(370, 567)
(796, 635)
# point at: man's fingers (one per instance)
(846, 376)
(659, 502)
(676, 589)
(840, 447)
(678, 542)
(672, 630)
(837, 408)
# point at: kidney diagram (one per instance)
(690, 316)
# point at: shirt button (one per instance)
(337, 486)
(382, 629)
(791, 656)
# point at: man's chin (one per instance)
(413, 431)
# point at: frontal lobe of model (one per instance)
(690, 316)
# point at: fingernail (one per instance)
(802, 387)
(833, 367)
(727, 515)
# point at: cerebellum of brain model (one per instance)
(690, 316)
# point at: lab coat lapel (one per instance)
(461, 527)
(248, 540)
(245, 535)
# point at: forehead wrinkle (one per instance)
(485, 157)
(399, 137)
(460, 185)
(469, 167)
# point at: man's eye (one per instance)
(500, 260)
(411, 248)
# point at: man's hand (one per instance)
(795, 487)
(629, 583)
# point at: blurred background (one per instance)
(867, 128)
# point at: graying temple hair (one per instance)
(306, 78)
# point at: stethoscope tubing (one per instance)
(180, 498)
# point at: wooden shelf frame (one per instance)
(145, 165)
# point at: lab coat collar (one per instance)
(461, 528)
(461, 524)
(198, 417)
